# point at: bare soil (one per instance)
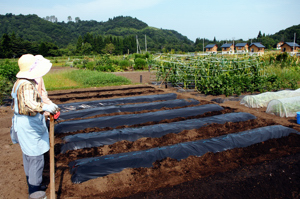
(265, 170)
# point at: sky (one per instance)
(220, 19)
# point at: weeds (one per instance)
(82, 79)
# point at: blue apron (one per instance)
(29, 131)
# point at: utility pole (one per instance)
(138, 48)
(203, 45)
(145, 43)
(233, 43)
(137, 44)
(294, 42)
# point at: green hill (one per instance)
(287, 35)
(35, 29)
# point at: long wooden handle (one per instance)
(52, 165)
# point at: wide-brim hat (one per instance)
(32, 67)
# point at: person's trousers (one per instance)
(33, 167)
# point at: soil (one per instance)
(269, 169)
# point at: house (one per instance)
(241, 47)
(227, 48)
(257, 48)
(211, 48)
(290, 47)
(279, 44)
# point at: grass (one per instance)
(58, 81)
(286, 74)
(70, 79)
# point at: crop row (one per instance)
(217, 76)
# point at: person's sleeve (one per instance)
(29, 97)
(44, 93)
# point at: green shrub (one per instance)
(111, 68)
(106, 68)
(124, 64)
(90, 65)
(76, 62)
(140, 64)
(136, 56)
(5, 88)
(147, 55)
(80, 66)
(99, 68)
(116, 62)
(9, 70)
(142, 56)
(85, 61)
(282, 56)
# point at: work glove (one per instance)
(51, 108)
(56, 115)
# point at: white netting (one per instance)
(286, 107)
(262, 100)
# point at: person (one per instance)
(28, 123)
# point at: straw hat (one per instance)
(32, 67)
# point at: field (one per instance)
(268, 169)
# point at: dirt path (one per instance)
(137, 77)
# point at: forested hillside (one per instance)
(288, 34)
(40, 35)
(35, 29)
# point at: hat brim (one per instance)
(40, 70)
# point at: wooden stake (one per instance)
(165, 77)
(52, 165)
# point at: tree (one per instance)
(198, 44)
(79, 44)
(6, 46)
(71, 49)
(43, 50)
(259, 35)
(109, 48)
(69, 18)
(77, 19)
(52, 18)
(87, 48)
(48, 49)
(88, 38)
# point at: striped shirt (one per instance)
(29, 100)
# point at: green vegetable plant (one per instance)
(217, 75)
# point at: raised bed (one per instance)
(96, 139)
(108, 102)
(90, 168)
(127, 108)
(119, 120)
